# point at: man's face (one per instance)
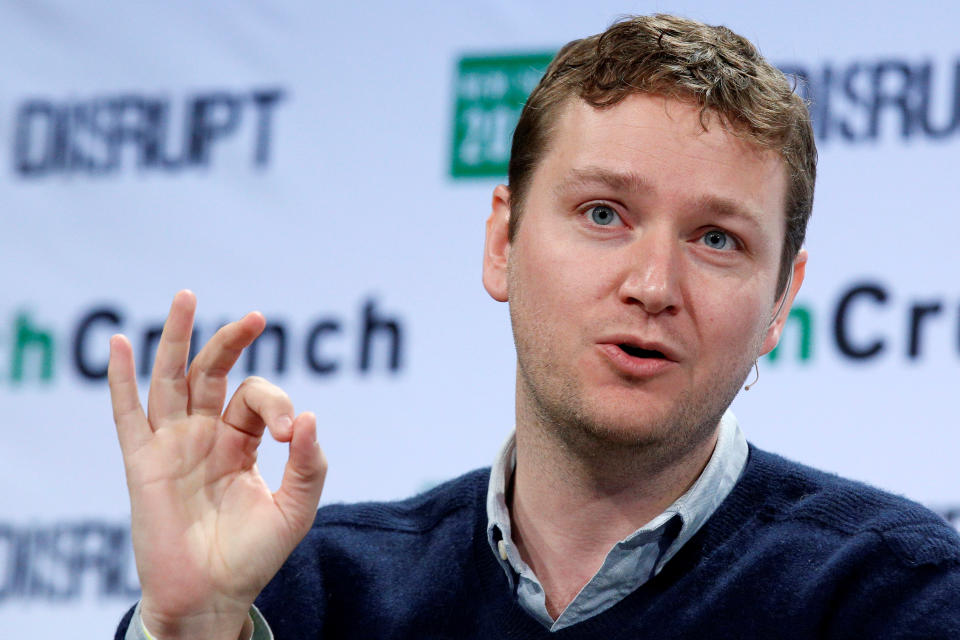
(642, 277)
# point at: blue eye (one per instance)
(716, 239)
(603, 215)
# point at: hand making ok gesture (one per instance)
(207, 532)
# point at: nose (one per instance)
(652, 272)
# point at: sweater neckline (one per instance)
(738, 509)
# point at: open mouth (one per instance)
(637, 352)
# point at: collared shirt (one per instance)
(633, 560)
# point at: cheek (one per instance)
(548, 275)
(737, 320)
(551, 306)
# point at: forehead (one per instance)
(652, 145)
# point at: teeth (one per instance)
(637, 352)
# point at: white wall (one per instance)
(297, 159)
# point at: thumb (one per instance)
(303, 476)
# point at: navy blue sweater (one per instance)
(791, 553)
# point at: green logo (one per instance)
(491, 91)
(32, 351)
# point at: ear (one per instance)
(496, 250)
(776, 325)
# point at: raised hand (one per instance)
(207, 532)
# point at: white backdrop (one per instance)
(300, 160)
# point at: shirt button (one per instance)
(502, 548)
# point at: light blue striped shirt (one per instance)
(633, 560)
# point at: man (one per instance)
(649, 245)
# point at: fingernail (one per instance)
(284, 423)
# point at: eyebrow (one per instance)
(590, 176)
(726, 208)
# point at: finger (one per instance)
(207, 379)
(168, 385)
(303, 476)
(256, 403)
(132, 426)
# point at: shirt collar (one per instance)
(694, 507)
(714, 484)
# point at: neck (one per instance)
(572, 503)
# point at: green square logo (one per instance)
(491, 91)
